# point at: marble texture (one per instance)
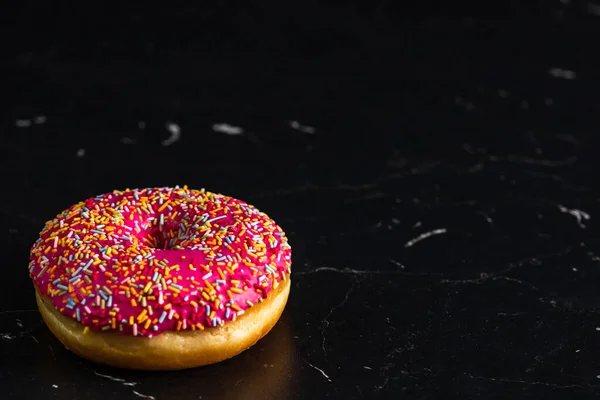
(437, 178)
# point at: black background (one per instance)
(479, 124)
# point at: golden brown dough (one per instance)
(170, 350)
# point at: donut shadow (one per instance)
(264, 371)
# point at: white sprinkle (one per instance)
(227, 129)
(6, 336)
(425, 235)
(23, 123)
(141, 125)
(175, 133)
(80, 153)
(302, 128)
(365, 367)
(598, 328)
(54, 386)
(40, 119)
(562, 73)
(576, 213)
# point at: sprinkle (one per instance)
(216, 218)
(162, 317)
(103, 258)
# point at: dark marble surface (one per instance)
(439, 187)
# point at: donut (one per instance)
(160, 278)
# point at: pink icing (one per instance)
(142, 262)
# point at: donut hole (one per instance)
(164, 239)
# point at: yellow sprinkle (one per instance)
(142, 314)
(165, 204)
(86, 329)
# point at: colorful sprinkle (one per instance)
(142, 262)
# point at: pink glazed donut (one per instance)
(160, 278)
